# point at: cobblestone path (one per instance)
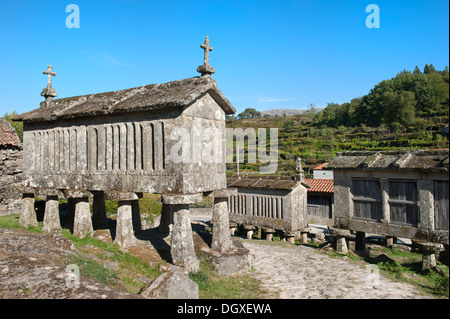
(300, 272)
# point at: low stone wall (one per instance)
(10, 176)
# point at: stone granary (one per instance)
(164, 138)
(393, 193)
(271, 204)
(320, 201)
(10, 168)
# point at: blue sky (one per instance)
(267, 54)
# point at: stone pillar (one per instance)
(341, 243)
(304, 235)
(360, 241)
(136, 214)
(390, 241)
(233, 227)
(124, 228)
(182, 246)
(268, 233)
(429, 250)
(28, 214)
(221, 238)
(82, 224)
(52, 222)
(166, 222)
(99, 219)
(249, 229)
(290, 237)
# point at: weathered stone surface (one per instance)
(233, 262)
(32, 267)
(171, 285)
(103, 235)
(221, 238)
(124, 229)
(51, 215)
(28, 214)
(182, 246)
(180, 199)
(82, 224)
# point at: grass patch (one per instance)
(212, 286)
(130, 269)
(94, 270)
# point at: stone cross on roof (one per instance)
(49, 74)
(206, 69)
(205, 46)
(49, 93)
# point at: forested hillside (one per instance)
(408, 111)
(399, 102)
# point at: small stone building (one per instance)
(164, 138)
(320, 201)
(270, 203)
(393, 193)
(10, 168)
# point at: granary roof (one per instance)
(8, 136)
(263, 182)
(144, 98)
(398, 159)
(319, 185)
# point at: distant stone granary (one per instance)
(162, 138)
(393, 193)
(269, 203)
(10, 168)
(320, 201)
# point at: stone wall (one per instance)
(10, 176)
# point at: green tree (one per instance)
(288, 125)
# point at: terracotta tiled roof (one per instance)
(320, 185)
(320, 166)
(8, 136)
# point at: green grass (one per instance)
(130, 269)
(212, 286)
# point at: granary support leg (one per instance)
(182, 246)
(269, 233)
(82, 224)
(165, 224)
(304, 235)
(28, 214)
(136, 214)
(52, 222)
(249, 229)
(290, 237)
(390, 241)
(221, 238)
(341, 243)
(428, 254)
(360, 242)
(99, 219)
(124, 228)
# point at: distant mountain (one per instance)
(288, 112)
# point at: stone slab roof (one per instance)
(145, 98)
(8, 135)
(398, 159)
(262, 183)
(319, 185)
